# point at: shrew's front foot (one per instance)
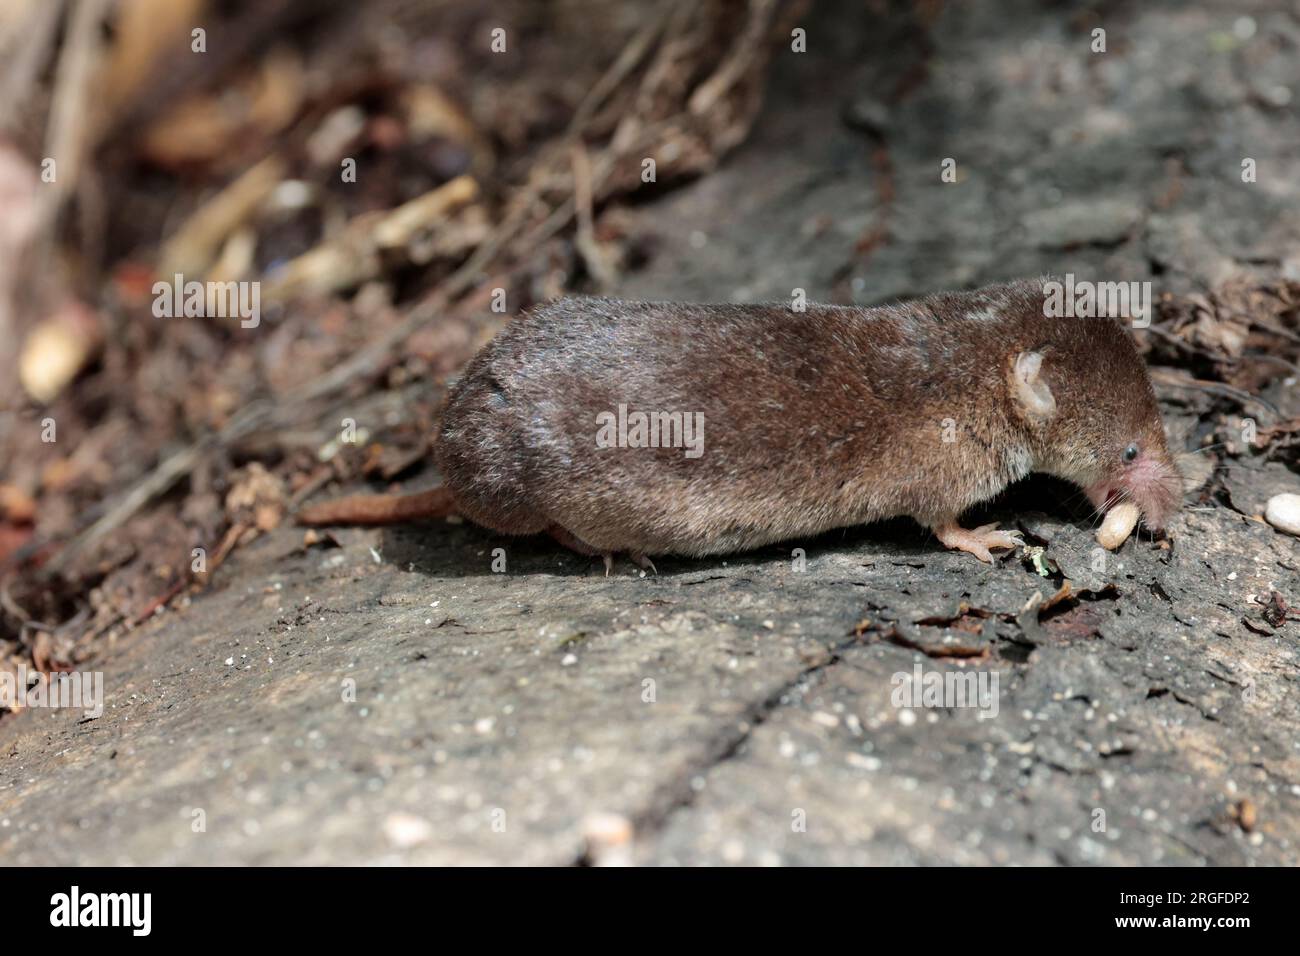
(979, 541)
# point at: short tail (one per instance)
(380, 509)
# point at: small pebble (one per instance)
(405, 830)
(609, 839)
(1283, 513)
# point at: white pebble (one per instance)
(1283, 513)
(404, 830)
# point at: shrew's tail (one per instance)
(380, 509)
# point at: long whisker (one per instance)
(1112, 499)
(1069, 504)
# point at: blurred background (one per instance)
(378, 169)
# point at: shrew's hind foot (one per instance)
(640, 560)
(574, 543)
(979, 541)
(571, 541)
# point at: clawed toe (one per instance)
(994, 538)
(640, 560)
(978, 541)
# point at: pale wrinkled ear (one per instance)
(1029, 390)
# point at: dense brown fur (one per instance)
(813, 420)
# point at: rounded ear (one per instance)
(1029, 390)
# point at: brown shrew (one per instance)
(663, 428)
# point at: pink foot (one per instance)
(979, 541)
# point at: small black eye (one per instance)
(1130, 453)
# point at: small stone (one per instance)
(404, 830)
(609, 839)
(1283, 513)
(1246, 816)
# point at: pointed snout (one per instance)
(1152, 482)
